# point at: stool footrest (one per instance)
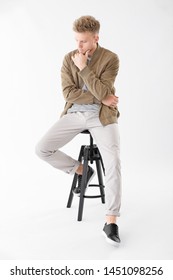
(96, 185)
(93, 196)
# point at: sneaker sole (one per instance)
(78, 194)
(108, 240)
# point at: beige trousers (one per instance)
(107, 140)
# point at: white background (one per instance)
(35, 223)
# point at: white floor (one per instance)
(35, 223)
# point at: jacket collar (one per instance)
(96, 51)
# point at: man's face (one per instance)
(86, 41)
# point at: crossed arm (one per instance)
(98, 88)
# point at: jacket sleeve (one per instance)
(104, 85)
(71, 92)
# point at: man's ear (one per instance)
(96, 38)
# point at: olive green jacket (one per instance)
(99, 77)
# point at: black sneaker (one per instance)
(110, 231)
(90, 175)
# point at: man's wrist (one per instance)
(82, 67)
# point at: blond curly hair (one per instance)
(86, 23)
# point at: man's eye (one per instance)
(81, 41)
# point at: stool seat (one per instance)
(88, 153)
(85, 131)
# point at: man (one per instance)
(88, 75)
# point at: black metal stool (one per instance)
(88, 153)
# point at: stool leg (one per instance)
(70, 199)
(71, 195)
(100, 179)
(83, 185)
